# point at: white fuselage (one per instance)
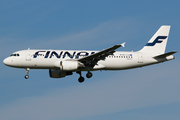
(46, 59)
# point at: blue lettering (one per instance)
(37, 54)
(69, 55)
(47, 54)
(92, 53)
(66, 54)
(81, 54)
(54, 53)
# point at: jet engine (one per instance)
(58, 73)
(68, 65)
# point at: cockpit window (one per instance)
(14, 55)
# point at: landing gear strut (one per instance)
(27, 72)
(81, 79)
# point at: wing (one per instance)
(92, 60)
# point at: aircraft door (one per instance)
(140, 58)
(28, 55)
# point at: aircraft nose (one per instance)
(6, 61)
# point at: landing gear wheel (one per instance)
(89, 75)
(81, 79)
(26, 76)
(27, 72)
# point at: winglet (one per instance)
(123, 44)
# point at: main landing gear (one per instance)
(89, 74)
(27, 72)
(81, 79)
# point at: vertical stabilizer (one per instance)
(157, 44)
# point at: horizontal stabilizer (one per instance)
(165, 55)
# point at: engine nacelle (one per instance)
(68, 65)
(58, 73)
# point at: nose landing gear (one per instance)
(27, 72)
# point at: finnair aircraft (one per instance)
(62, 63)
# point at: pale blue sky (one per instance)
(149, 93)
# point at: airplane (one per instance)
(63, 63)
